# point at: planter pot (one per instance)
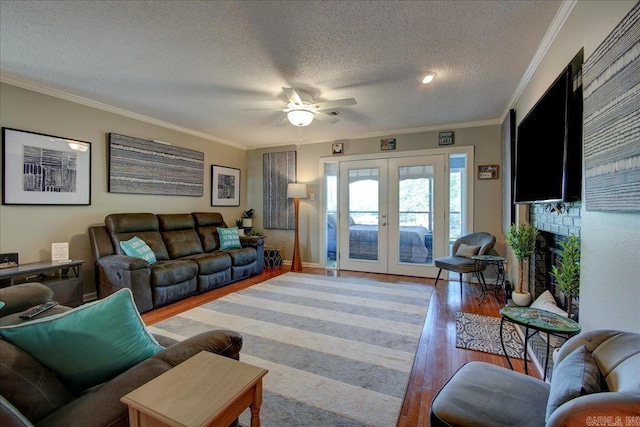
(521, 298)
(240, 232)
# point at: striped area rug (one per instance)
(339, 351)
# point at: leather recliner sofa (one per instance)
(187, 249)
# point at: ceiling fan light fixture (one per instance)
(428, 77)
(300, 117)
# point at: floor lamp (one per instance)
(296, 192)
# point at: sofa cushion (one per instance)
(212, 262)
(576, 375)
(167, 273)
(136, 247)
(484, 394)
(209, 238)
(208, 219)
(229, 238)
(90, 344)
(181, 243)
(242, 256)
(28, 385)
(547, 302)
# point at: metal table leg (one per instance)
(504, 350)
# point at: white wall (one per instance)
(488, 193)
(610, 283)
(30, 230)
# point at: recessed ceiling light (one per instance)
(428, 77)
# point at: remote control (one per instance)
(34, 311)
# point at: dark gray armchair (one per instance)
(475, 244)
(595, 377)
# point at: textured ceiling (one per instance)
(199, 64)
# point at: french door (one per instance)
(391, 214)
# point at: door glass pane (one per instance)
(331, 197)
(363, 213)
(457, 178)
(415, 213)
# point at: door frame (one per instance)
(439, 250)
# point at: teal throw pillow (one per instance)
(229, 238)
(1, 304)
(89, 344)
(138, 248)
(576, 375)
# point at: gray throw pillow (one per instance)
(576, 375)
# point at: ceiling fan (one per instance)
(301, 110)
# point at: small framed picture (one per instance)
(445, 138)
(388, 144)
(337, 148)
(488, 172)
(9, 260)
(225, 186)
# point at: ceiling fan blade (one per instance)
(323, 117)
(283, 122)
(328, 105)
(292, 95)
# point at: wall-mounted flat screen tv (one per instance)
(549, 146)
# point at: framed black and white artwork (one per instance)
(40, 169)
(225, 186)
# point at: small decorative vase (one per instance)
(521, 298)
(240, 231)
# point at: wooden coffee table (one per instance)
(205, 390)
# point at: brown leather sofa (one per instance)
(31, 394)
(187, 249)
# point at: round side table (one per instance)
(497, 262)
(539, 321)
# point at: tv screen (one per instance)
(548, 147)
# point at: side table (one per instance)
(538, 320)
(204, 390)
(497, 262)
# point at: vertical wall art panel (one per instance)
(139, 166)
(612, 120)
(508, 169)
(279, 169)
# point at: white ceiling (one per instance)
(197, 65)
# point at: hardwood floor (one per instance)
(437, 357)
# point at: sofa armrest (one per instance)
(586, 410)
(115, 272)
(251, 241)
(224, 343)
(101, 406)
(10, 416)
(20, 297)
(122, 262)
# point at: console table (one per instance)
(64, 278)
(204, 390)
(538, 320)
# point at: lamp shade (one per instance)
(300, 117)
(297, 190)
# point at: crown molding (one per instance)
(115, 110)
(552, 32)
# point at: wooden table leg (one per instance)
(255, 406)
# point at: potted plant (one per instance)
(567, 271)
(247, 219)
(522, 239)
(238, 223)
